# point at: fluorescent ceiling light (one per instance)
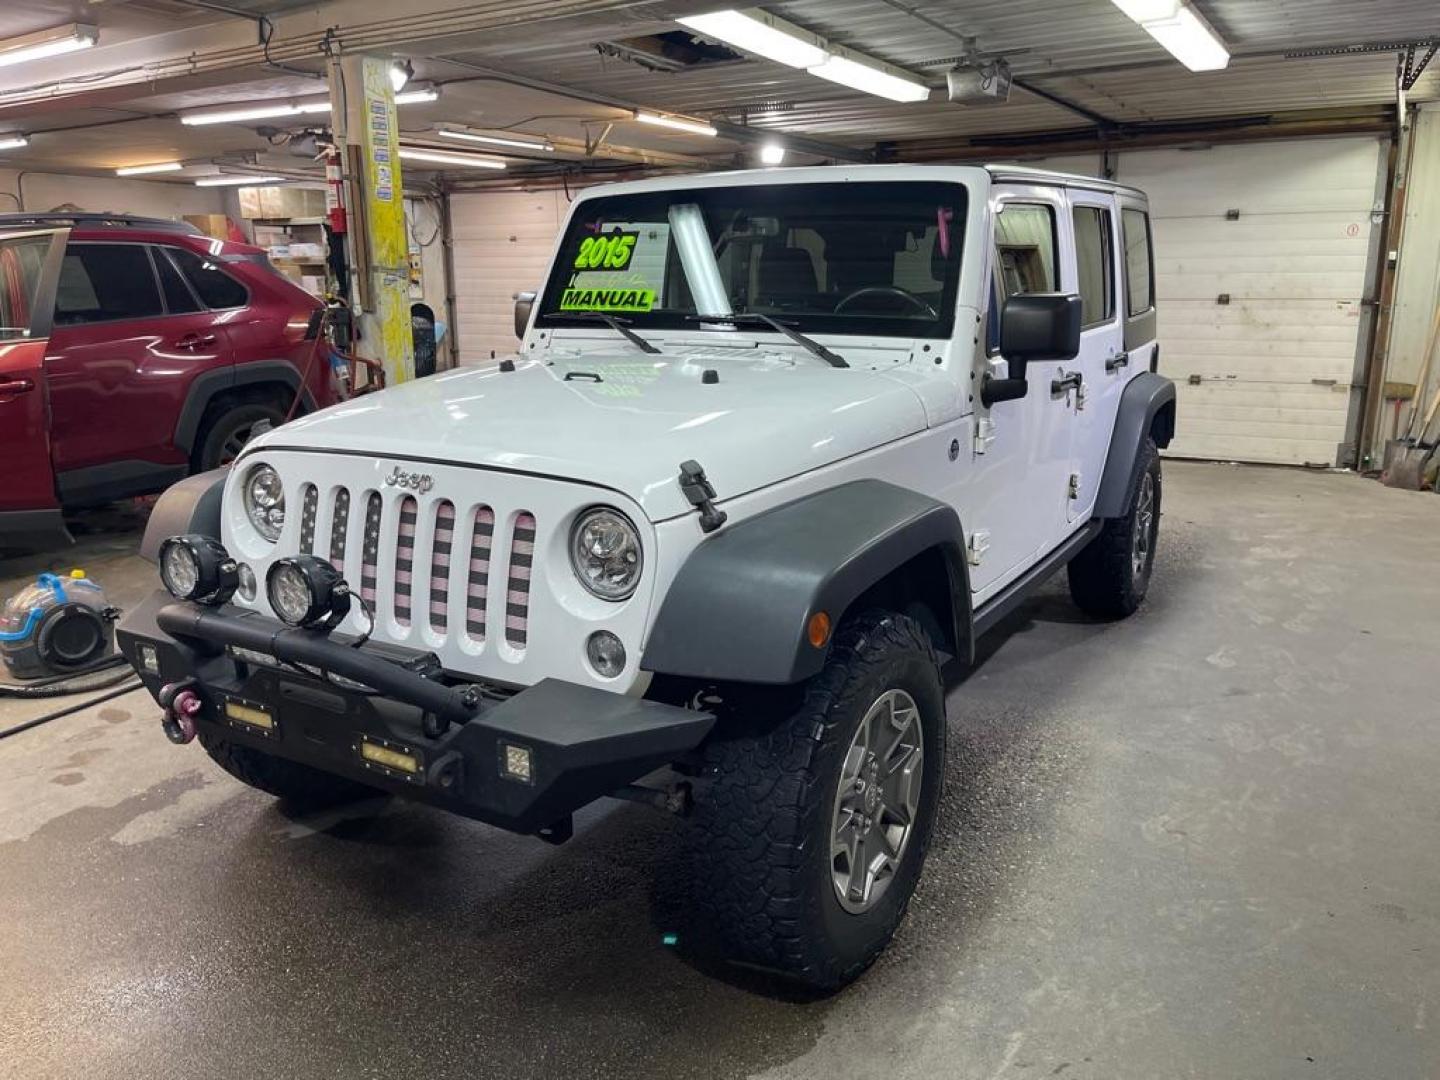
(1181, 30)
(440, 157)
(678, 123)
(13, 142)
(53, 42)
(235, 181)
(759, 32)
(142, 170)
(1190, 40)
(497, 140)
(877, 79)
(241, 113)
(417, 97)
(772, 154)
(1142, 11)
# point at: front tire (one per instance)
(810, 831)
(1111, 574)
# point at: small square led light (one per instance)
(149, 659)
(516, 761)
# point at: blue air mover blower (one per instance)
(57, 626)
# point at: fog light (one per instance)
(247, 581)
(198, 568)
(307, 591)
(515, 763)
(149, 659)
(605, 653)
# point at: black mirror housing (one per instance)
(524, 303)
(1039, 327)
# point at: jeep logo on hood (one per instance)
(415, 481)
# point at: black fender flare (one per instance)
(738, 608)
(210, 384)
(1144, 398)
(190, 506)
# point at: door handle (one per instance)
(16, 386)
(195, 341)
(1071, 380)
(1116, 362)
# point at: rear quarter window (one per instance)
(216, 288)
(1139, 262)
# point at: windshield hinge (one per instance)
(701, 494)
(984, 434)
(977, 547)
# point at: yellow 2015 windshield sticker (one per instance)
(607, 299)
(610, 251)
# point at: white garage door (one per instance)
(1260, 313)
(503, 242)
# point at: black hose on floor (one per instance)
(68, 710)
(96, 677)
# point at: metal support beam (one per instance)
(375, 201)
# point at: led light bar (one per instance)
(1181, 30)
(759, 32)
(236, 181)
(145, 170)
(497, 140)
(13, 142)
(872, 78)
(772, 154)
(440, 157)
(53, 42)
(678, 123)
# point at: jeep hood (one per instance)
(624, 420)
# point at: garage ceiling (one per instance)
(533, 65)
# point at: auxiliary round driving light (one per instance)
(305, 590)
(606, 654)
(195, 567)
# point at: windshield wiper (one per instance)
(810, 345)
(618, 325)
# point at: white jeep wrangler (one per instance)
(776, 447)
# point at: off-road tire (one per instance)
(225, 428)
(760, 835)
(1108, 579)
(297, 784)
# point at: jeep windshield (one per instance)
(869, 258)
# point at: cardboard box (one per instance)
(212, 225)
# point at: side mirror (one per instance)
(1034, 328)
(524, 304)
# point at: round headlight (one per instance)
(264, 497)
(306, 590)
(196, 567)
(605, 552)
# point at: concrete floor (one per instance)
(1199, 843)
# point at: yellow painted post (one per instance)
(379, 227)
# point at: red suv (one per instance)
(134, 351)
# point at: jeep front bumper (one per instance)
(523, 762)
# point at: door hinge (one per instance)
(979, 544)
(1074, 485)
(984, 435)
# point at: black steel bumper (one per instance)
(581, 743)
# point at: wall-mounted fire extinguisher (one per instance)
(334, 193)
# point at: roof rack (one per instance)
(82, 217)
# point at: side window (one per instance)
(103, 282)
(178, 298)
(1026, 247)
(1139, 263)
(1095, 261)
(21, 262)
(215, 288)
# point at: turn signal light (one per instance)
(818, 629)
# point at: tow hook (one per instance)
(180, 703)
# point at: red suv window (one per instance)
(103, 282)
(215, 288)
